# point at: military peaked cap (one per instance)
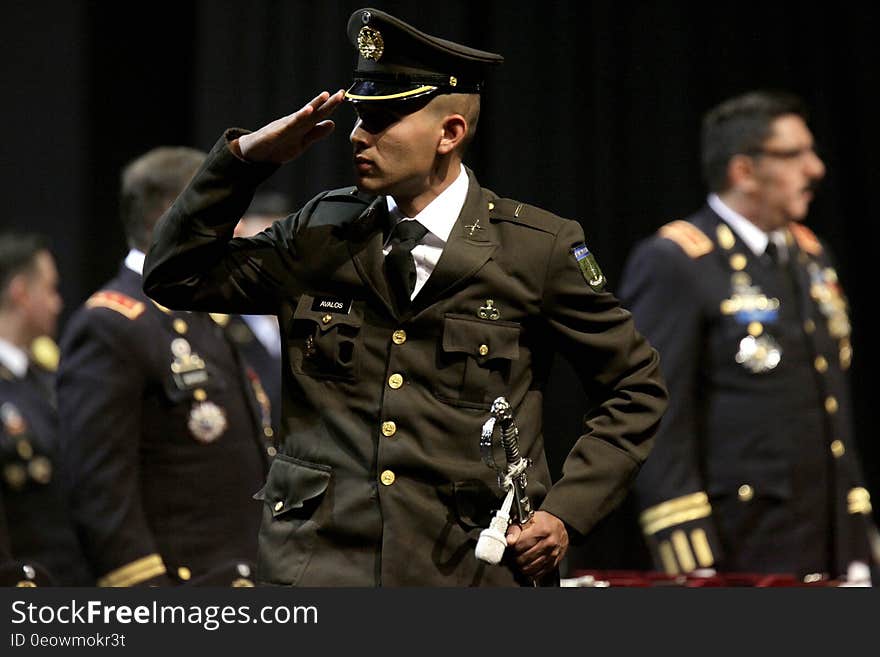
(398, 62)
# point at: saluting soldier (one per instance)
(35, 507)
(164, 439)
(408, 304)
(755, 467)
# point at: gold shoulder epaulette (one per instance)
(694, 242)
(121, 303)
(806, 239)
(139, 570)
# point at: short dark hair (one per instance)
(740, 126)
(18, 252)
(148, 186)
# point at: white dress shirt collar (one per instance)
(13, 358)
(440, 215)
(755, 238)
(135, 261)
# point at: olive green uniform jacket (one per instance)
(379, 479)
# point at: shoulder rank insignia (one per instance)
(121, 303)
(691, 239)
(589, 267)
(806, 239)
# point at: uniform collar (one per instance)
(439, 215)
(13, 358)
(755, 238)
(135, 261)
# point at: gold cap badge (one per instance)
(370, 43)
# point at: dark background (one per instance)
(594, 116)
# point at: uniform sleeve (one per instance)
(99, 393)
(619, 371)
(196, 264)
(660, 288)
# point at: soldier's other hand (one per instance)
(288, 137)
(539, 545)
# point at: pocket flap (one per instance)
(482, 339)
(291, 483)
(338, 311)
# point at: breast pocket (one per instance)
(474, 360)
(326, 343)
(292, 517)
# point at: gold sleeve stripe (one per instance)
(702, 549)
(684, 504)
(859, 501)
(691, 239)
(677, 519)
(124, 305)
(134, 573)
(668, 558)
(683, 551)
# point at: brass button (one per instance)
(279, 505)
(389, 428)
(326, 318)
(200, 395)
(484, 349)
(838, 449)
(24, 449)
(395, 381)
(755, 329)
(738, 261)
(491, 205)
(271, 451)
(40, 470)
(809, 326)
(745, 493)
(820, 364)
(180, 326)
(268, 432)
(387, 477)
(399, 336)
(184, 573)
(831, 404)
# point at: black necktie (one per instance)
(399, 265)
(42, 385)
(772, 253)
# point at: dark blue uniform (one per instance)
(754, 467)
(36, 511)
(267, 367)
(163, 441)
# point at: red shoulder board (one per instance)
(691, 239)
(124, 305)
(806, 239)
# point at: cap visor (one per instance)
(373, 90)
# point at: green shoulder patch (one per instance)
(586, 261)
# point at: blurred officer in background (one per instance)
(257, 336)
(755, 466)
(36, 512)
(163, 437)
